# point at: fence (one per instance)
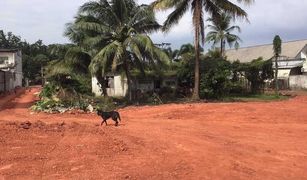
(298, 82)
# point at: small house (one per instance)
(117, 85)
(10, 69)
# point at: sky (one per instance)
(45, 19)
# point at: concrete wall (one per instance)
(95, 87)
(1, 81)
(118, 88)
(298, 82)
(10, 56)
(18, 69)
(14, 75)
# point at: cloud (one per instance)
(38, 19)
(45, 19)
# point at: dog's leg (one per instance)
(116, 123)
(106, 122)
(101, 123)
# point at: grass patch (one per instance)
(255, 97)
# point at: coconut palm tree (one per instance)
(198, 8)
(221, 32)
(114, 33)
(277, 51)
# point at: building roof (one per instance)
(9, 50)
(290, 49)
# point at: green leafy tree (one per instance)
(214, 77)
(277, 51)
(256, 72)
(221, 32)
(69, 71)
(114, 33)
(198, 8)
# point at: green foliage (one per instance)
(257, 72)
(113, 33)
(48, 90)
(254, 97)
(214, 79)
(198, 9)
(277, 45)
(221, 31)
(104, 103)
(45, 104)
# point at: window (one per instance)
(3, 59)
(157, 84)
(170, 83)
(110, 82)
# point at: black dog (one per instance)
(107, 115)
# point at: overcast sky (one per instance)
(45, 19)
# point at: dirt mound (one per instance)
(39, 125)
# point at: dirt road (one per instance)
(261, 140)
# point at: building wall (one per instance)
(95, 87)
(10, 58)
(13, 76)
(18, 69)
(1, 81)
(118, 88)
(298, 82)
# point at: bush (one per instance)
(167, 93)
(104, 103)
(45, 104)
(214, 78)
(48, 91)
(237, 88)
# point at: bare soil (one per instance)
(258, 140)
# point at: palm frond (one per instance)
(181, 7)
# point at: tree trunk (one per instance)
(42, 74)
(128, 79)
(221, 47)
(276, 75)
(196, 22)
(103, 86)
(102, 81)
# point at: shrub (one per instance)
(48, 91)
(104, 103)
(214, 77)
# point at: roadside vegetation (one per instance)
(113, 36)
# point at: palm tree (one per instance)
(114, 33)
(198, 8)
(277, 51)
(221, 32)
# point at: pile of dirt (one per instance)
(39, 125)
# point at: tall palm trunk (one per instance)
(129, 83)
(276, 75)
(102, 81)
(196, 22)
(222, 47)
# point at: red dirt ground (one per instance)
(259, 140)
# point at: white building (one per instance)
(292, 64)
(10, 69)
(117, 85)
